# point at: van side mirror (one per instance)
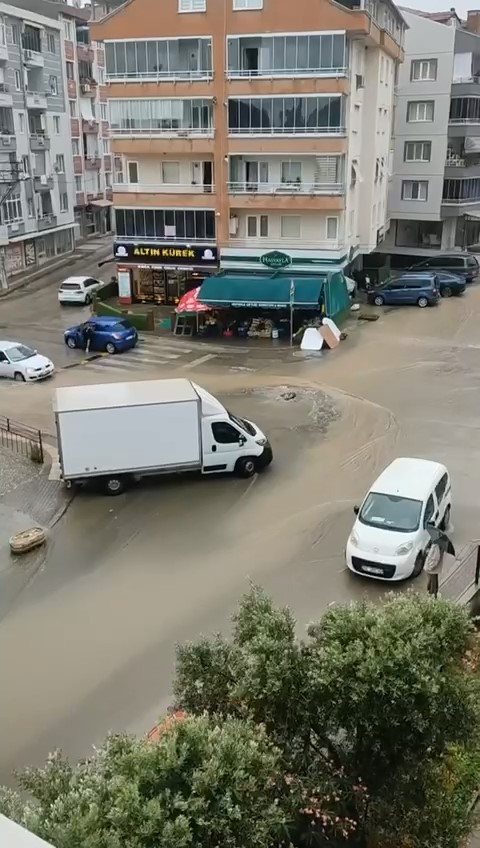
(241, 439)
(356, 509)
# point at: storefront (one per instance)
(161, 273)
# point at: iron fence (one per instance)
(24, 440)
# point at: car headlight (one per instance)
(116, 336)
(354, 540)
(404, 549)
(261, 442)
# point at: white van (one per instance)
(389, 539)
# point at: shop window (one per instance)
(224, 433)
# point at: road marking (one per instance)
(200, 360)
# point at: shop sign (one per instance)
(124, 288)
(251, 304)
(276, 259)
(165, 254)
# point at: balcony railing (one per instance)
(455, 162)
(286, 131)
(269, 243)
(46, 221)
(179, 132)
(285, 188)
(473, 78)
(131, 237)
(159, 76)
(164, 188)
(462, 121)
(272, 73)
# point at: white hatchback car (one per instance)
(78, 290)
(21, 363)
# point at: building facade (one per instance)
(247, 134)
(434, 202)
(37, 188)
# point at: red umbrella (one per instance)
(189, 303)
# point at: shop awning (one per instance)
(262, 291)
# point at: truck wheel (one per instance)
(245, 467)
(114, 485)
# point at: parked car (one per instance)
(22, 363)
(78, 290)
(450, 284)
(421, 289)
(454, 263)
(109, 333)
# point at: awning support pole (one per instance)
(292, 298)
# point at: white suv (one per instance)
(78, 290)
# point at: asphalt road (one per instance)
(89, 644)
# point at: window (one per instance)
(60, 163)
(64, 202)
(3, 31)
(26, 165)
(257, 226)
(423, 69)
(429, 510)
(51, 43)
(417, 151)
(239, 5)
(322, 114)
(100, 76)
(105, 146)
(53, 85)
(67, 28)
(78, 184)
(21, 123)
(15, 34)
(291, 172)
(291, 226)
(12, 209)
(167, 58)
(183, 224)
(18, 81)
(224, 433)
(465, 110)
(108, 180)
(332, 228)
(382, 66)
(414, 189)
(70, 69)
(441, 488)
(73, 108)
(171, 173)
(461, 190)
(56, 124)
(420, 110)
(103, 112)
(132, 168)
(192, 5)
(75, 147)
(118, 169)
(286, 55)
(161, 115)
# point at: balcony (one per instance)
(286, 188)
(39, 141)
(274, 56)
(6, 100)
(33, 59)
(3, 50)
(267, 244)
(93, 163)
(80, 199)
(46, 222)
(85, 53)
(88, 87)
(282, 196)
(69, 50)
(186, 59)
(8, 141)
(17, 228)
(89, 127)
(75, 127)
(36, 100)
(78, 165)
(43, 182)
(163, 188)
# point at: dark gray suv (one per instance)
(462, 264)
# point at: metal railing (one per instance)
(158, 76)
(289, 131)
(179, 132)
(285, 188)
(245, 73)
(164, 188)
(472, 78)
(22, 439)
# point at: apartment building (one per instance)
(434, 203)
(247, 133)
(36, 182)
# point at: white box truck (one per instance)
(119, 432)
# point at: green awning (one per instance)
(262, 291)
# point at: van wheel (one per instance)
(422, 302)
(446, 519)
(378, 300)
(446, 291)
(110, 348)
(419, 563)
(114, 485)
(245, 467)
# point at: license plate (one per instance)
(370, 569)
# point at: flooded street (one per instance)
(88, 645)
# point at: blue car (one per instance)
(418, 288)
(108, 333)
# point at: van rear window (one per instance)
(70, 287)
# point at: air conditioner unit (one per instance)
(14, 227)
(6, 140)
(43, 179)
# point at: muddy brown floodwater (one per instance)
(89, 645)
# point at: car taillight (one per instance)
(435, 291)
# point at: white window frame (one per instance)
(12, 206)
(18, 80)
(56, 124)
(75, 147)
(51, 42)
(72, 108)
(21, 122)
(414, 145)
(3, 32)
(67, 27)
(78, 183)
(53, 85)
(103, 112)
(286, 168)
(331, 218)
(133, 162)
(30, 208)
(258, 226)
(283, 222)
(63, 197)
(60, 163)
(186, 6)
(247, 5)
(419, 119)
(421, 187)
(427, 70)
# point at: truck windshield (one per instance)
(391, 512)
(244, 425)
